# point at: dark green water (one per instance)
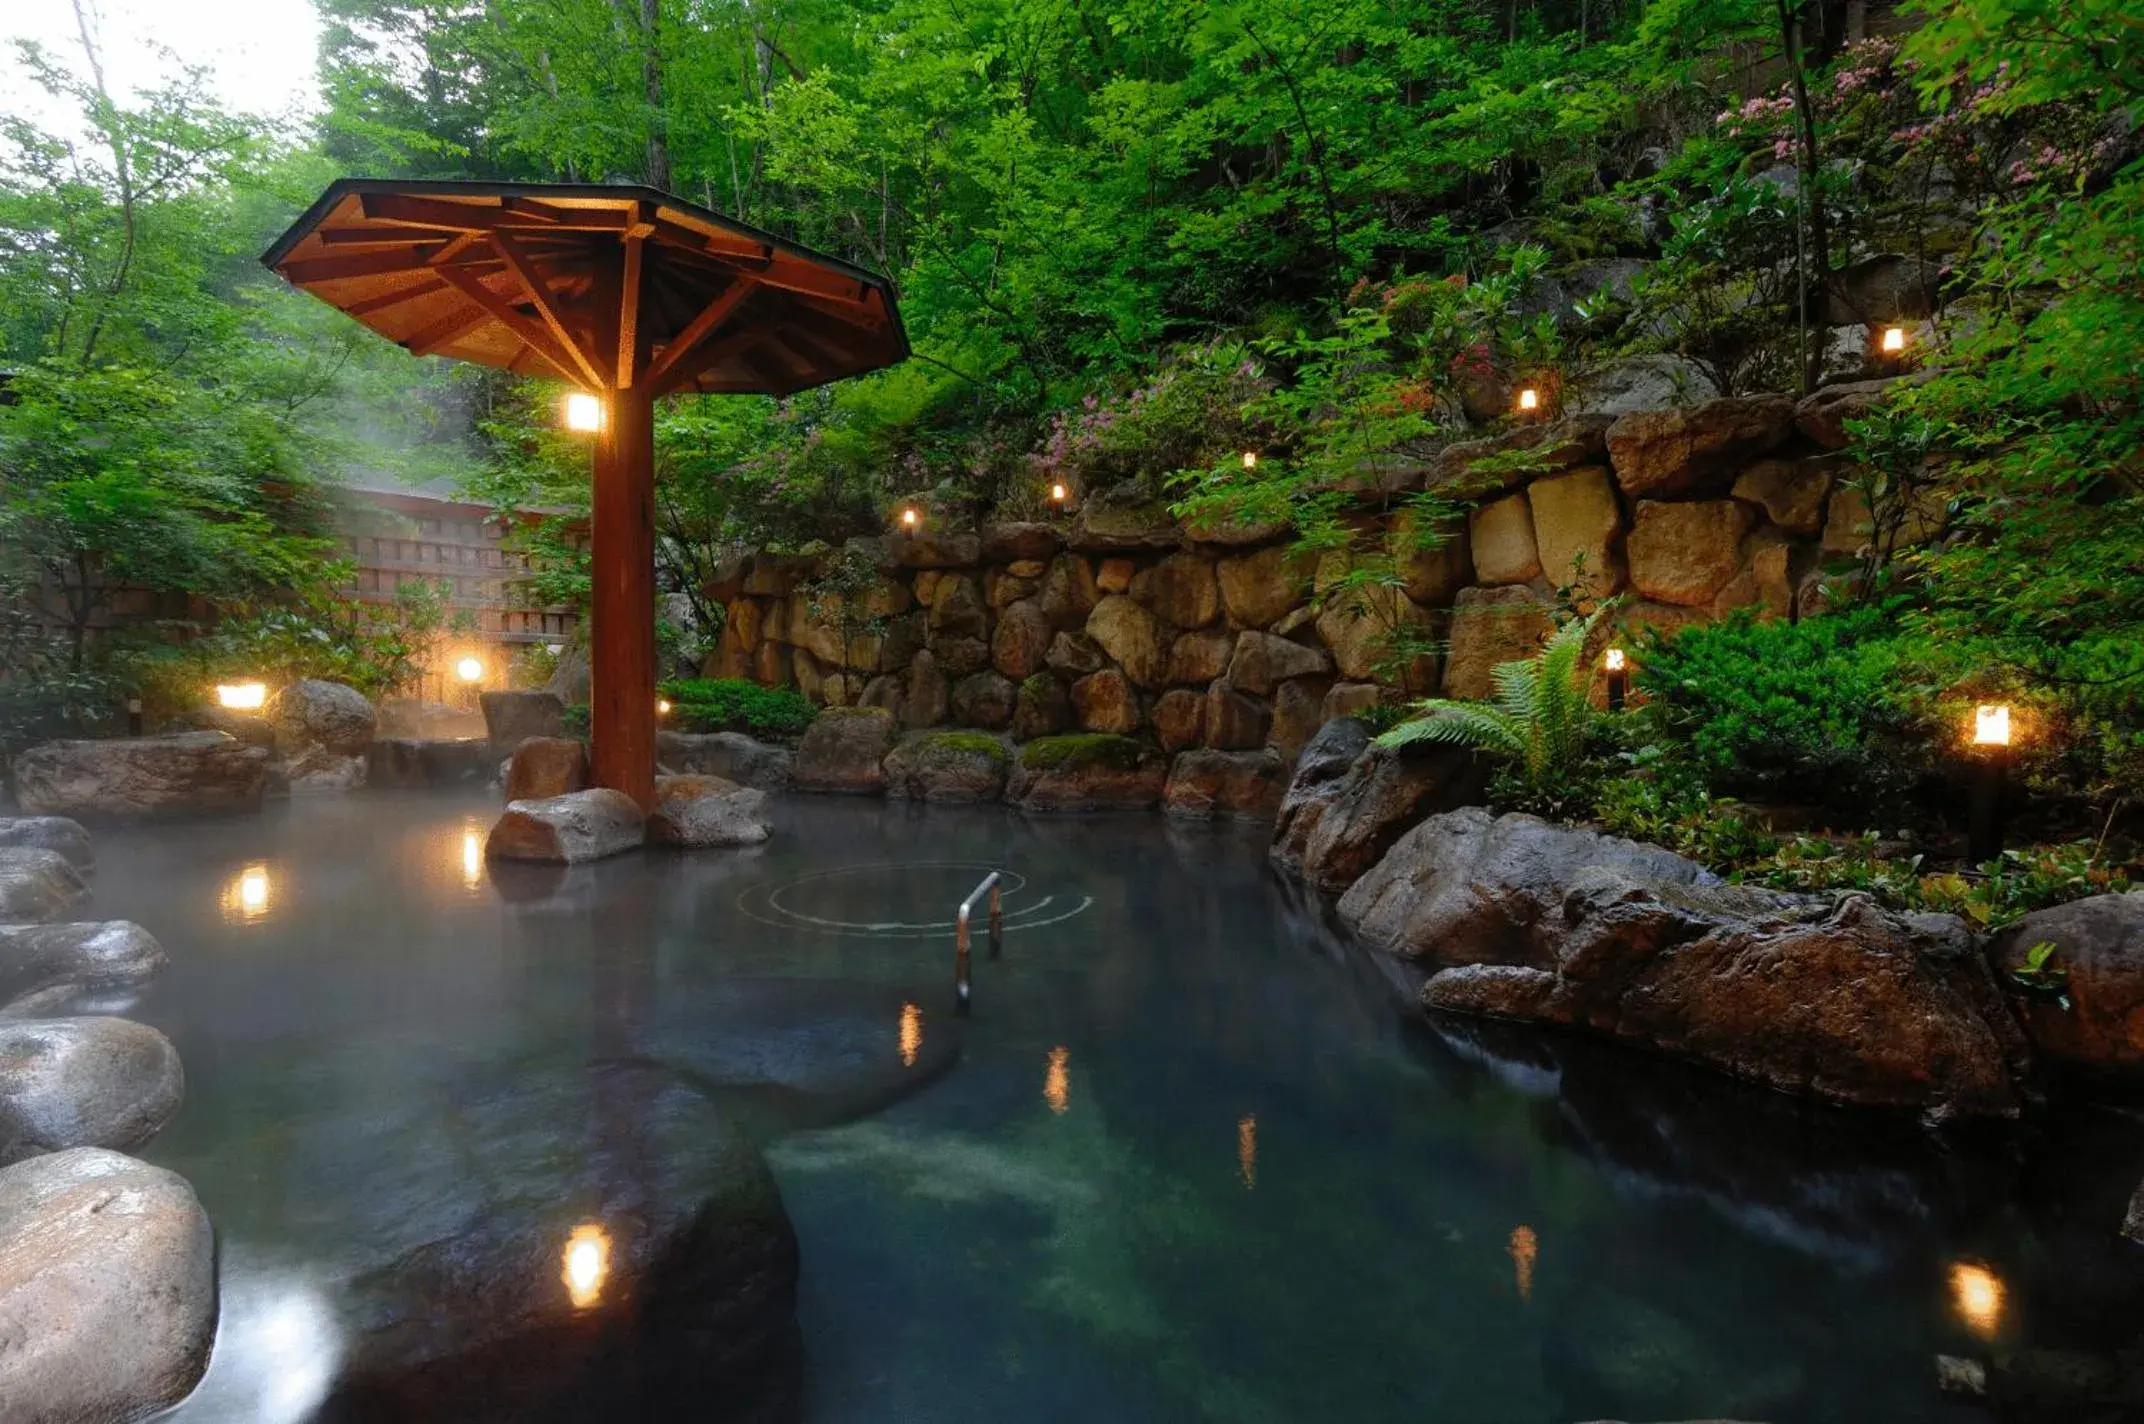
(1190, 1164)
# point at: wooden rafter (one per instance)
(709, 355)
(545, 300)
(359, 264)
(447, 330)
(680, 348)
(532, 333)
(412, 211)
(629, 276)
(384, 300)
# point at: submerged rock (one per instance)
(1210, 785)
(83, 1082)
(44, 967)
(947, 766)
(142, 778)
(1839, 999)
(706, 812)
(566, 830)
(1350, 801)
(2099, 951)
(843, 750)
(54, 833)
(731, 755)
(107, 1288)
(1087, 771)
(37, 884)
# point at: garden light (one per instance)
(587, 1262)
(1057, 494)
(470, 669)
(1618, 678)
(662, 706)
(584, 413)
(1977, 1293)
(910, 519)
(242, 696)
(1894, 340)
(1529, 399)
(1250, 459)
(1991, 738)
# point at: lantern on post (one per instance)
(1618, 676)
(1529, 400)
(1991, 743)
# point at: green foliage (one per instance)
(1539, 722)
(2039, 974)
(731, 704)
(2021, 882)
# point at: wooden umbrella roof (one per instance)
(607, 287)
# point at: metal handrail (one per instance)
(961, 977)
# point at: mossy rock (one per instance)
(948, 766)
(1073, 750)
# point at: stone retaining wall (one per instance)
(1118, 620)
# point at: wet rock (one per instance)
(1660, 453)
(1043, 708)
(1501, 536)
(1513, 917)
(37, 884)
(1822, 415)
(1578, 530)
(930, 549)
(947, 766)
(510, 718)
(1021, 640)
(1068, 592)
(1132, 637)
(1258, 589)
(1881, 290)
(44, 968)
(957, 657)
(1011, 542)
(1552, 445)
(1350, 699)
(317, 772)
(325, 716)
(1089, 771)
(1359, 627)
(1262, 662)
(1180, 719)
(1685, 553)
(957, 610)
(1106, 702)
(546, 766)
(1298, 712)
(107, 1288)
(1235, 720)
(2099, 949)
(142, 778)
(1075, 655)
(984, 699)
(1430, 574)
(929, 700)
(412, 720)
(83, 1082)
(843, 750)
(1180, 590)
(1350, 802)
(399, 763)
(1209, 785)
(567, 830)
(1122, 518)
(1492, 626)
(1793, 492)
(1196, 659)
(706, 812)
(461, 1291)
(53, 833)
(730, 755)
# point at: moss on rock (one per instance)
(1082, 749)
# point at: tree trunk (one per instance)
(1812, 363)
(651, 77)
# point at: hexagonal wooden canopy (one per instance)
(608, 287)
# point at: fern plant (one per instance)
(1539, 719)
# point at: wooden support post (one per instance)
(622, 638)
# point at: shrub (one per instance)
(734, 704)
(1816, 710)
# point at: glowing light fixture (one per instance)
(1991, 725)
(1894, 340)
(1057, 494)
(587, 1263)
(1250, 459)
(584, 413)
(1615, 659)
(1618, 677)
(1977, 1294)
(662, 706)
(1057, 1083)
(1529, 399)
(911, 518)
(470, 669)
(911, 1034)
(242, 696)
(1525, 1249)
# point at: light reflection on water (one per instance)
(587, 1265)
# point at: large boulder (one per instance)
(412, 720)
(1810, 994)
(1684, 553)
(843, 750)
(1661, 453)
(1482, 467)
(1042, 709)
(706, 812)
(1106, 702)
(1794, 493)
(511, 718)
(569, 829)
(730, 755)
(1432, 566)
(1360, 627)
(1014, 542)
(1578, 530)
(1091, 771)
(546, 766)
(2099, 954)
(1259, 589)
(568, 1243)
(1179, 719)
(1122, 518)
(1298, 712)
(1350, 802)
(37, 884)
(1180, 590)
(1235, 720)
(397, 762)
(1209, 785)
(55, 833)
(1500, 535)
(984, 699)
(948, 766)
(83, 1082)
(1021, 639)
(1068, 592)
(1196, 659)
(1491, 626)
(1262, 662)
(1133, 637)
(321, 717)
(107, 1288)
(44, 968)
(142, 778)
(1822, 415)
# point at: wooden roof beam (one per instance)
(532, 333)
(710, 354)
(546, 302)
(681, 347)
(411, 211)
(385, 300)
